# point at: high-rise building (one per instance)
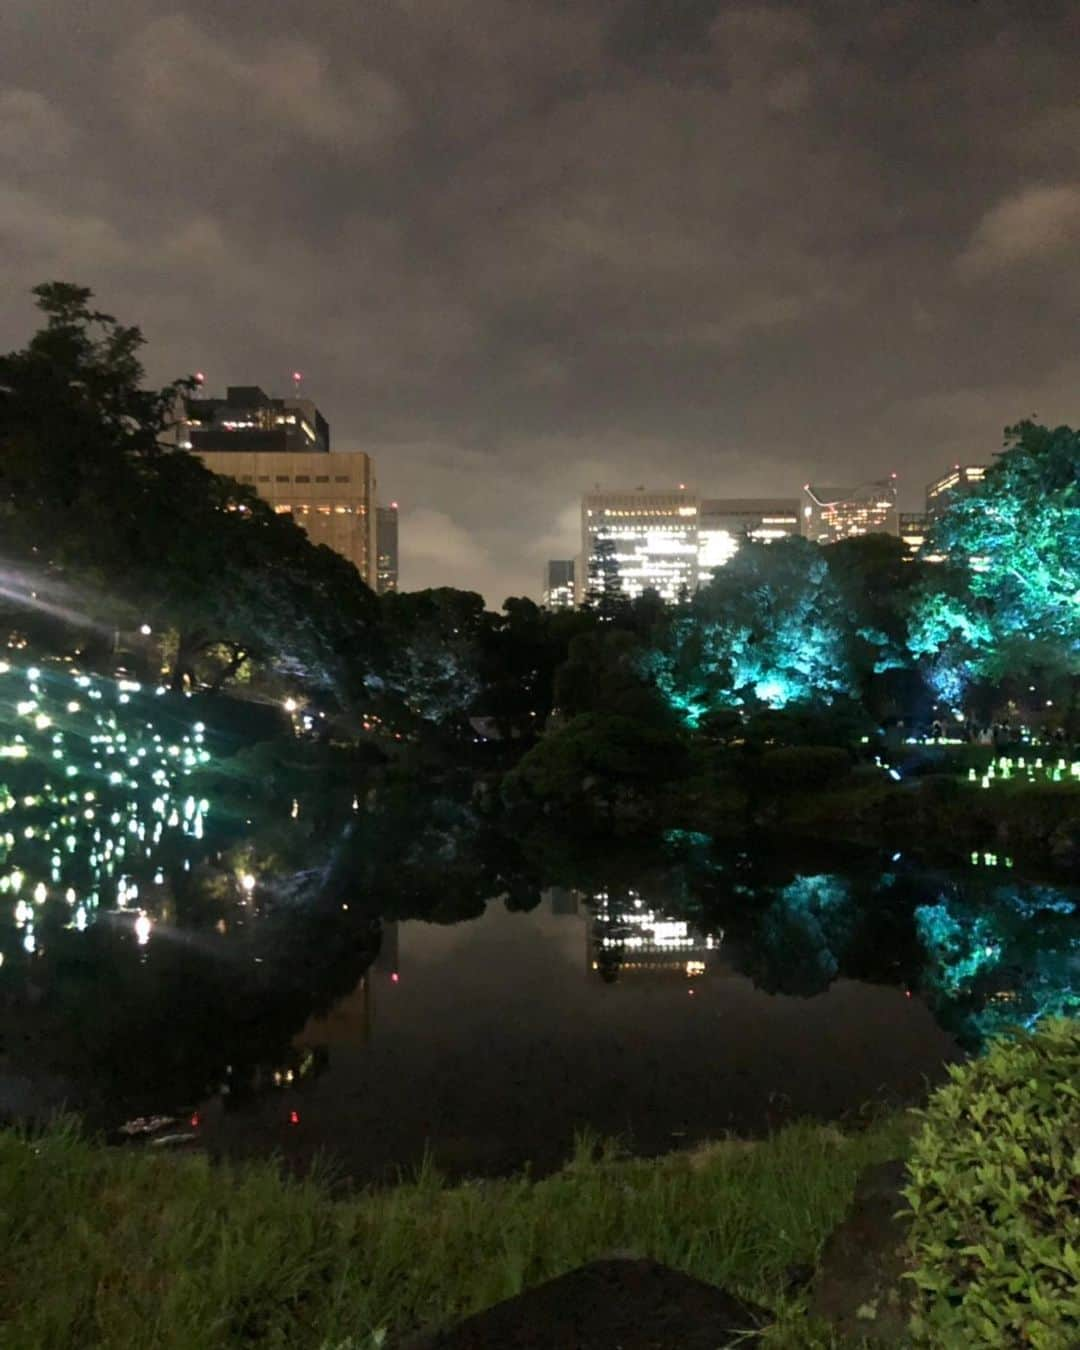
(914, 531)
(831, 514)
(958, 482)
(558, 591)
(248, 419)
(648, 537)
(280, 447)
(386, 538)
(725, 523)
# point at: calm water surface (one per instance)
(369, 978)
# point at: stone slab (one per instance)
(615, 1304)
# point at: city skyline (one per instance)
(754, 244)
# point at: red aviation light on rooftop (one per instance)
(393, 506)
(200, 378)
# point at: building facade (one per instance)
(558, 589)
(724, 524)
(958, 482)
(651, 536)
(832, 514)
(330, 495)
(281, 449)
(386, 540)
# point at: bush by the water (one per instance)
(995, 1198)
(796, 768)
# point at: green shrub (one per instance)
(797, 768)
(995, 1198)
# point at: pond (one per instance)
(276, 964)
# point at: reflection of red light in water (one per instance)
(907, 993)
(294, 1117)
(690, 992)
(195, 1120)
(394, 978)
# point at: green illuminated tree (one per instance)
(769, 629)
(1017, 539)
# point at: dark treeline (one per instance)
(110, 531)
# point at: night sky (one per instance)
(520, 247)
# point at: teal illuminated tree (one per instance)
(769, 630)
(1017, 539)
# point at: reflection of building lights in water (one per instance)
(248, 882)
(143, 928)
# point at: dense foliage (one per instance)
(995, 1198)
(128, 532)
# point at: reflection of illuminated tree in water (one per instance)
(1009, 957)
(984, 956)
(800, 940)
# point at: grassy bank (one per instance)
(123, 1248)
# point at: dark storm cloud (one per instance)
(523, 246)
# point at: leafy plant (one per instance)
(995, 1198)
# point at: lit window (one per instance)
(324, 510)
(283, 510)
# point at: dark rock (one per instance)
(608, 1305)
(859, 1289)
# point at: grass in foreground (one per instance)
(122, 1248)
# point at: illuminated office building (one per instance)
(725, 523)
(832, 514)
(386, 539)
(958, 482)
(280, 447)
(913, 531)
(915, 536)
(250, 420)
(653, 538)
(558, 590)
